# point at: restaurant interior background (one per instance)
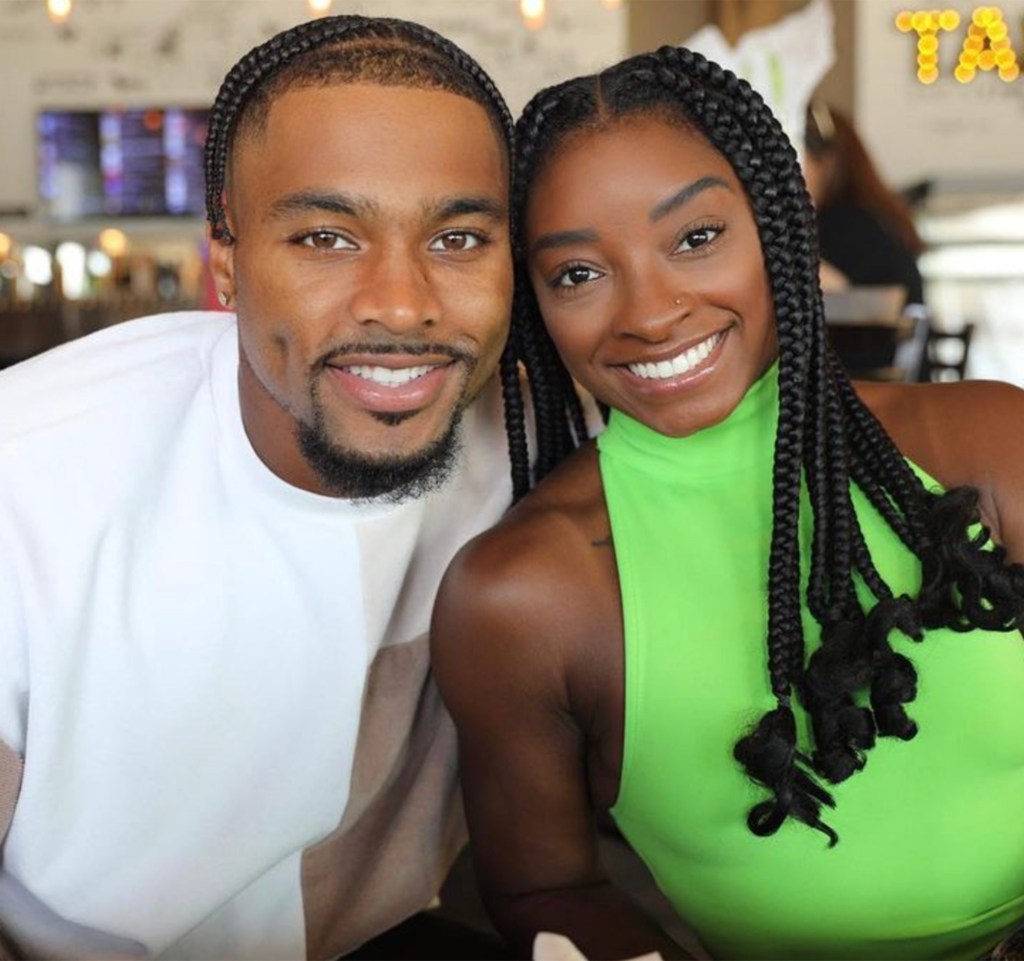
(101, 125)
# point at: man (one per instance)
(220, 538)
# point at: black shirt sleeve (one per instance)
(866, 251)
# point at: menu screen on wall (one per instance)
(137, 162)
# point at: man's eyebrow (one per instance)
(306, 201)
(462, 206)
(687, 193)
(563, 238)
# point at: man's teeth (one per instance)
(390, 376)
(687, 360)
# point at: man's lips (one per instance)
(391, 383)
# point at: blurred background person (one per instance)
(866, 233)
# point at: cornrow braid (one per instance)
(345, 49)
(826, 437)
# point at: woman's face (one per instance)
(648, 270)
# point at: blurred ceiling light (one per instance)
(319, 7)
(534, 13)
(113, 242)
(611, 4)
(5, 245)
(38, 265)
(58, 10)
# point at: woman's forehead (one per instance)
(635, 156)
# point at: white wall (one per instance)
(946, 130)
(176, 52)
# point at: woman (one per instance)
(867, 236)
(705, 620)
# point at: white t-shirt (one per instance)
(217, 683)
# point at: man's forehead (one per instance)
(395, 146)
(360, 102)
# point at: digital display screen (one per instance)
(136, 162)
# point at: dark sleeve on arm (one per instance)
(866, 251)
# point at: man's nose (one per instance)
(396, 291)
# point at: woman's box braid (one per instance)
(825, 435)
(344, 49)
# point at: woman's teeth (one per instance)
(388, 376)
(680, 364)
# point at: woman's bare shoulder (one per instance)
(554, 519)
(538, 583)
(965, 433)
(955, 431)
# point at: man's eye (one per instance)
(326, 240)
(456, 241)
(575, 275)
(693, 239)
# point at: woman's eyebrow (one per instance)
(687, 193)
(563, 238)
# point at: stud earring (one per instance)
(223, 298)
(679, 301)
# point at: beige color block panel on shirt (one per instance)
(11, 767)
(403, 824)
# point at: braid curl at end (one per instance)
(966, 579)
(770, 757)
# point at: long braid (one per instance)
(825, 436)
(558, 413)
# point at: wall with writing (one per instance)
(151, 53)
(943, 129)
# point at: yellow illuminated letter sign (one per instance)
(985, 47)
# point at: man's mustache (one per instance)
(417, 349)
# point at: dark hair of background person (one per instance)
(852, 177)
(823, 430)
(350, 49)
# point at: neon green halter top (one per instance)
(930, 860)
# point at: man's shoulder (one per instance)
(150, 359)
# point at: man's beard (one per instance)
(352, 474)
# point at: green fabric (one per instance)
(930, 862)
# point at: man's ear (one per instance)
(222, 264)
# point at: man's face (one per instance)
(371, 273)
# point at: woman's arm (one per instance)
(512, 616)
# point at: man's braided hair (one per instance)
(825, 436)
(357, 49)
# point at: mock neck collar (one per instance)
(744, 439)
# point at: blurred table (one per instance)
(867, 326)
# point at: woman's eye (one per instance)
(326, 240)
(575, 275)
(693, 239)
(456, 241)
